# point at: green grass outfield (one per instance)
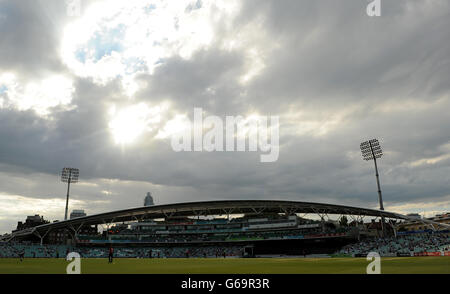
(394, 265)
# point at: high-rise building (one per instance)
(148, 201)
(77, 213)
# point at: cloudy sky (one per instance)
(100, 85)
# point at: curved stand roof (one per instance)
(205, 208)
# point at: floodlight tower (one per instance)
(69, 175)
(371, 150)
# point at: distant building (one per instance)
(414, 215)
(442, 216)
(31, 221)
(148, 201)
(418, 225)
(77, 213)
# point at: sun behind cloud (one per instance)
(130, 122)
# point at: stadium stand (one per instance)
(12, 250)
(206, 229)
(411, 244)
(60, 251)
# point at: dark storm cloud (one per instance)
(209, 80)
(333, 54)
(30, 32)
(336, 77)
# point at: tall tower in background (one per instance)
(77, 213)
(148, 201)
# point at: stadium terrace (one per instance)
(241, 228)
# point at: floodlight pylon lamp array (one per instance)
(70, 174)
(371, 149)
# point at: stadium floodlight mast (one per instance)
(371, 150)
(69, 175)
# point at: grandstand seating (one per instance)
(32, 250)
(414, 243)
(403, 244)
(52, 251)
